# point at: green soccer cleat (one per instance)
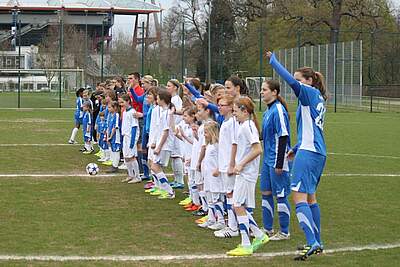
(258, 242)
(185, 201)
(156, 192)
(107, 163)
(241, 251)
(166, 195)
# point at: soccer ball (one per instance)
(92, 169)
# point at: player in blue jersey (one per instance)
(87, 121)
(78, 115)
(114, 134)
(310, 151)
(275, 181)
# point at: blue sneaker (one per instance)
(178, 186)
(308, 251)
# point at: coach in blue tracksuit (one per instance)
(310, 151)
(275, 180)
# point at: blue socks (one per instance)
(306, 221)
(284, 214)
(316, 214)
(268, 211)
(146, 170)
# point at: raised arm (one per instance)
(193, 90)
(139, 99)
(281, 70)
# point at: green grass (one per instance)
(101, 216)
(36, 100)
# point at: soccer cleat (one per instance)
(199, 212)
(149, 185)
(201, 220)
(99, 154)
(145, 178)
(178, 186)
(186, 201)
(318, 251)
(134, 180)
(101, 160)
(82, 149)
(87, 152)
(166, 195)
(269, 232)
(126, 180)
(280, 236)
(217, 226)
(193, 208)
(150, 190)
(72, 142)
(258, 242)
(226, 233)
(308, 251)
(241, 251)
(122, 167)
(156, 192)
(205, 224)
(107, 162)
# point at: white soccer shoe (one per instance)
(217, 226)
(206, 224)
(134, 180)
(280, 236)
(226, 233)
(122, 167)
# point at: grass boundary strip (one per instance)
(125, 258)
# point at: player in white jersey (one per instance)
(130, 132)
(185, 133)
(162, 151)
(247, 167)
(227, 140)
(213, 184)
(204, 115)
(173, 87)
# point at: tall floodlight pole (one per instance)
(19, 63)
(102, 51)
(183, 51)
(61, 44)
(143, 44)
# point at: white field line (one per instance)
(122, 258)
(363, 155)
(64, 175)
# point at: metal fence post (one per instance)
(19, 64)
(261, 63)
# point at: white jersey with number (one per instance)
(227, 137)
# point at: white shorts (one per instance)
(198, 178)
(126, 150)
(229, 181)
(244, 193)
(162, 158)
(176, 148)
(213, 198)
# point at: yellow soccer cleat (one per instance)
(241, 251)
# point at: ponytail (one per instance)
(320, 84)
(317, 78)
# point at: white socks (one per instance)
(177, 167)
(74, 133)
(115, 156)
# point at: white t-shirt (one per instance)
(185, 145)
(154, 126)
(165, 126)
(177, 101)
(196, 148)
(248, 135)
(129, 121)
(209, 165)
(227, 137)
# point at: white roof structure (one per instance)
(115, 6)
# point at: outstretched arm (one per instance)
(281, 70)
(137, 98)
(193, 90)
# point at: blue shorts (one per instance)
(279, 185)
(307, 170)
(78, 120)
(103, 144)
(145, 139)
(115, 147)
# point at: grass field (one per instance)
(99, 216)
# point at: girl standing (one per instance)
(87, 127)
(113, 134)
(78, 115)
(246, 168)
(310, 151)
